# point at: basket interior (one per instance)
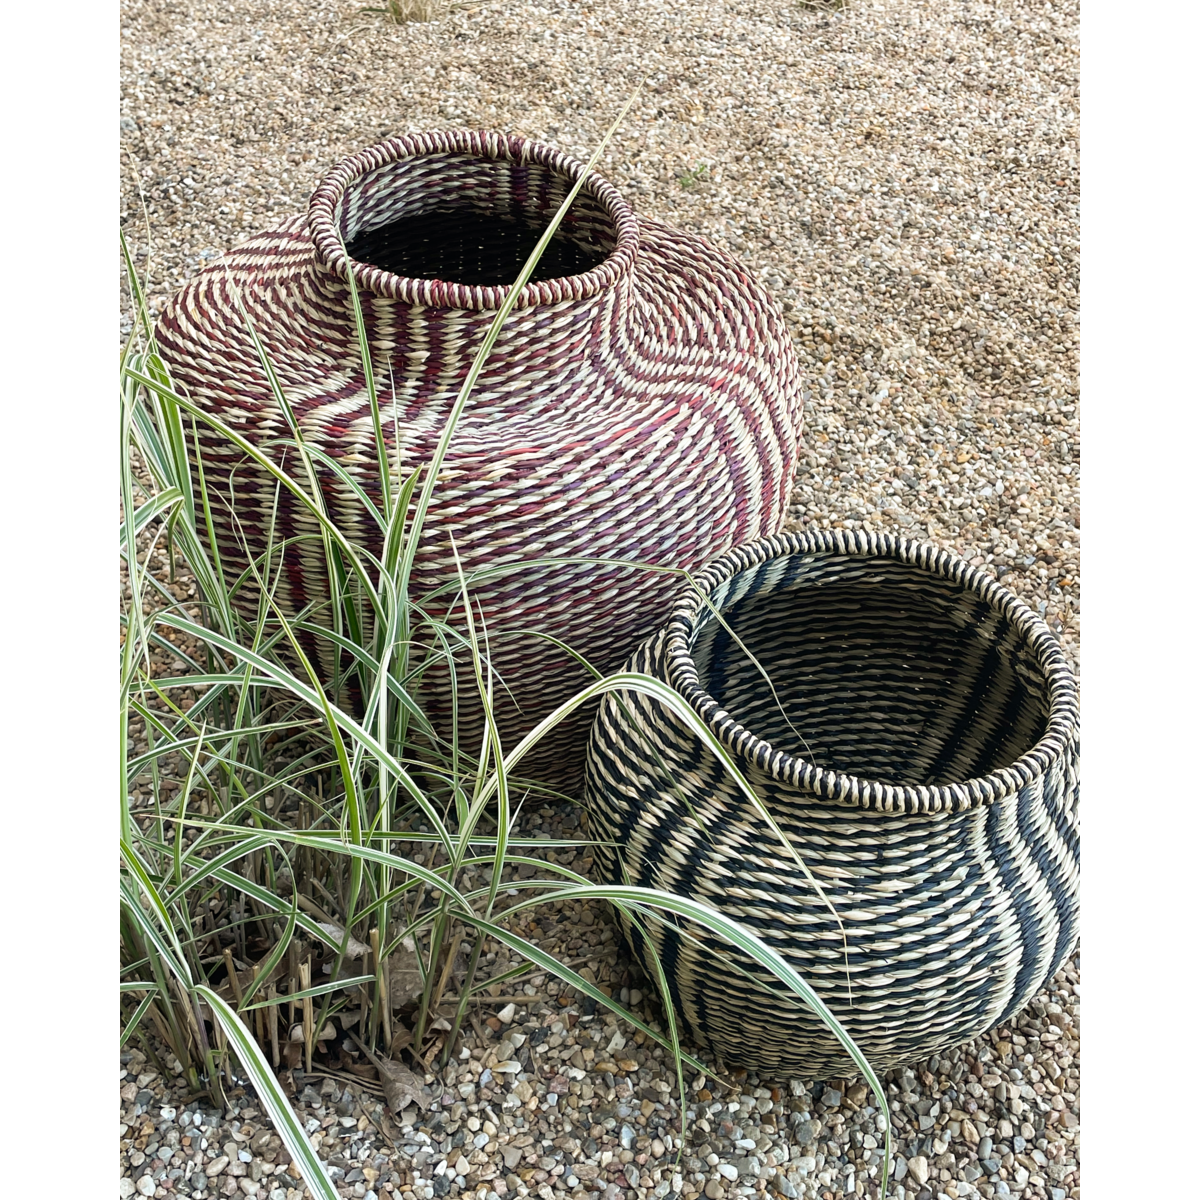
(879, 669)
(471, 220)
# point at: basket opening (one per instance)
(471, 220)
(882, 671)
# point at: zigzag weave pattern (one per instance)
(643, 405)
(917, 745)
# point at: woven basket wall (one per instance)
(922, 759)
(642, 402)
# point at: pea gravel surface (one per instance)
(904, 177)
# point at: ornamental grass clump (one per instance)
(290, 856)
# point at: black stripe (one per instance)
(1026, 916)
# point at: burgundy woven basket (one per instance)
(642, 402)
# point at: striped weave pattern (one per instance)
(920, 752)
(645, 407)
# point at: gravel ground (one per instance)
(904, 177)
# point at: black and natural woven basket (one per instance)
(917, 743)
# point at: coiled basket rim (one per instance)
(433, 293)
(837, 786)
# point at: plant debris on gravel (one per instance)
(903, 176)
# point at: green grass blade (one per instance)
(671, 699)
(364, 659)
(251, 450)
(272, 902)
(137, 868)
(333, 844)
(172, 956)
(434, 467)
(245, 846)
(364, 350)
(547, 962)
(315, 697)
(157, 506)
(138, 1013)
(277, 953)
(668, 1007)
(135, 289)
(320, 989)
(137, 985)
(271, 1094)
(318, 499)
(348, 481)
(753, 947)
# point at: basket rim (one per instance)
(435, 293)
(841, 787)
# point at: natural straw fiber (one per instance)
(642, 402)
(921, 754)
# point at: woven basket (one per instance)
(642, 402)
(921, 755)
